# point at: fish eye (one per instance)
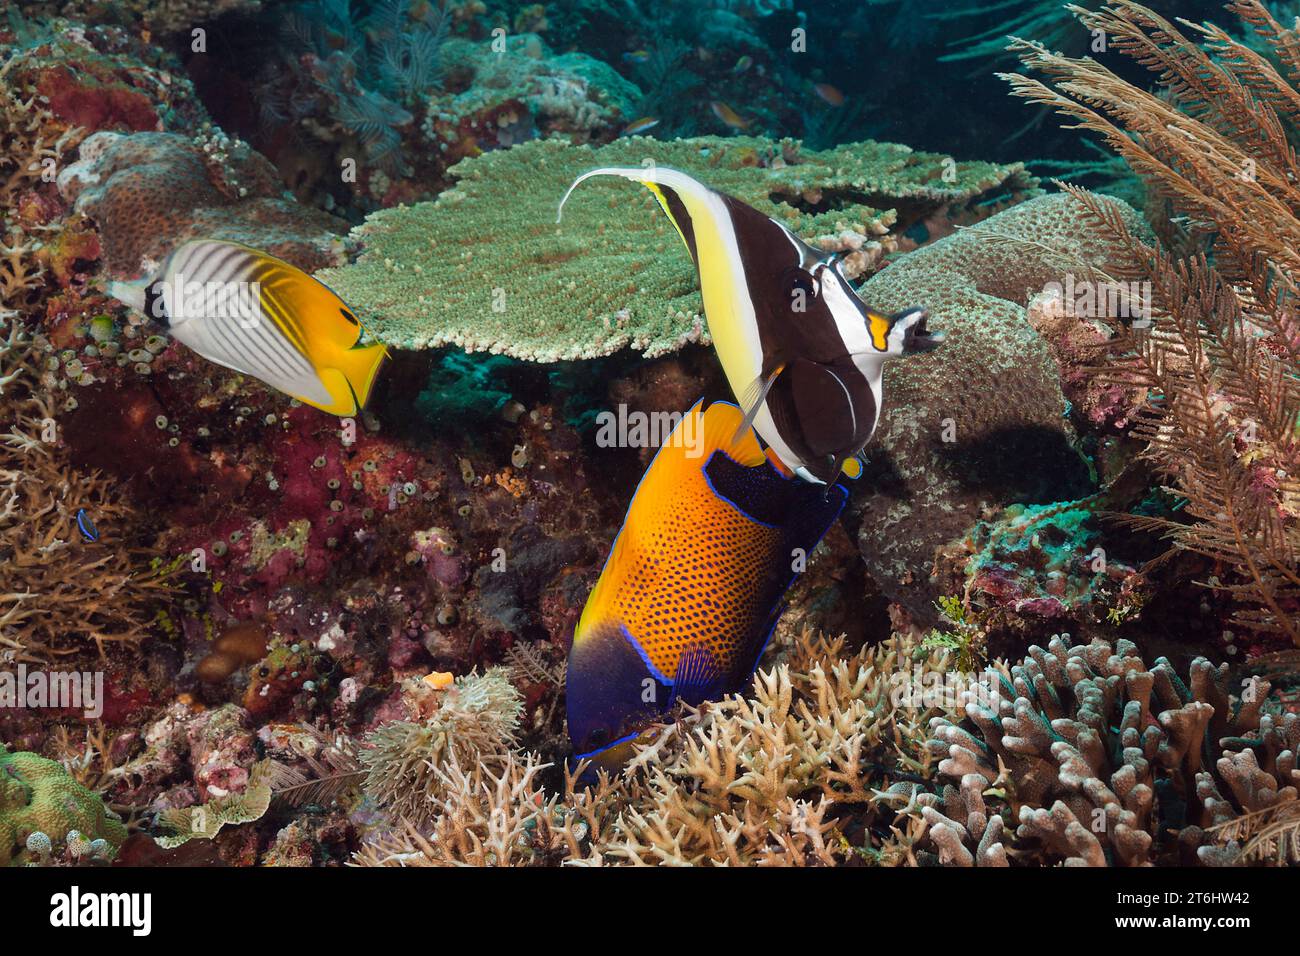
(348, 315)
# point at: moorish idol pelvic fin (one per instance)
(246, 310)
(803, 354)
(694, 583)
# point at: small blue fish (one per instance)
(636, 56)
(87, 527)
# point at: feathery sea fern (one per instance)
(1221, 358)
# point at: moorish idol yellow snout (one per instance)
(803, 354)
(693, 585)
(249, 311)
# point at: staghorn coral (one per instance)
(765, 780)
(59, 592)
(1215, 142)
(148, 192)
(983, 426)
(474, 721)
(1097, 758)
(43, 809)
(485, 267)
(483, 817)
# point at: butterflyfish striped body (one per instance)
(249, 311)
(802, 353)
(693, 585)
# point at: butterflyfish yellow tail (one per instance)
(359, 367)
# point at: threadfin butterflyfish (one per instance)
(693, 585)
(246, 310)
(803, 354)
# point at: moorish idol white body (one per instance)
(249, 311)
(803, 354)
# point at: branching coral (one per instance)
(764, 780)
(1097, 757)
(471, 723)
(60, 591)
(485, 266)
(1222, 356)
(497, 816)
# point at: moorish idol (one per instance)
(803, 354)
(249, 311)
(693, 585)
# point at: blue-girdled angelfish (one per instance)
(249, 311)
(803, 354)
(693, 586)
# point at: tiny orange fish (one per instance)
(729, 116)
(829, 94)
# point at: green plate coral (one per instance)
(486, 267)
(38, 796)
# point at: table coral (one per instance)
(38, 796)
(981, 425)
(486, 267)
(1098, 757)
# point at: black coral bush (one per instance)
(1215, 141)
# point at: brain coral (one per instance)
(38, 796)
(979, 424)
(486, 267)
(148, 192)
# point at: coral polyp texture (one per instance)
(149, 192)
(46, 815)
(486, 267)
(985, 427)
